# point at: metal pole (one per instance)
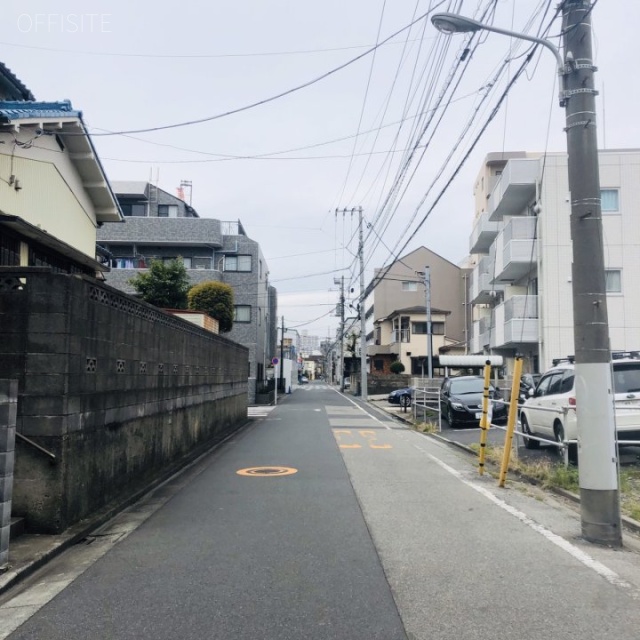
(363, 324)
(427, 287)
(598, 468)
(342, 333)
(282, 358)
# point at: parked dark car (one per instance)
(461, 401)
(401, 396)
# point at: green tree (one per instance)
(216, 299)
(396, 367)
(164, 285)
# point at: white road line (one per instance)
(589, 562)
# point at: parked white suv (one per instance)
(550, 412)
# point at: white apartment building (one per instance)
(520, 287)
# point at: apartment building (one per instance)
(521, 284)
(161, 226)
(397, 308)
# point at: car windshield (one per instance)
(626, 377)
(468, 385)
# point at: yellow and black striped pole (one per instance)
(511, 421)
(484, 420)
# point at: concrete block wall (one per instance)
(115, 388)
(8, 408)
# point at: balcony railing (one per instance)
(516, 250)
(483, 234)
(515, 189)
(516, 322)
(401, 335)
(482, 291)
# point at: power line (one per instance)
(265, 100)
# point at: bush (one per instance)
(397, 367)
(216, 299)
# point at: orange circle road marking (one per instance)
(267, 471)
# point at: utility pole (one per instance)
(282, 358)
(427, 288)
(341, 331)
(361, 306)
(597, 453)
(598, 456)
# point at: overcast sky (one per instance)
(139, 65)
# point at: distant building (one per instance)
(160, 226)
(397, 307)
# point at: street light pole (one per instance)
(598, 469)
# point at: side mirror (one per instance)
(531, 393)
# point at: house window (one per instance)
(420, 328)
(242, 313)
(610, 199)
(378, 365)
(237, 263)
(613, 280)
(9, 251)
(130, 209)
(201, 263)
(409, 286)
(167, 211)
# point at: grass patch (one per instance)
(554, 475)
(426, 427)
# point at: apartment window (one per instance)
(201, 263)
(185, 261)
(167, 211)
(409, 286)
(242, 313)
(237, 263)
(610, 199)
(130, 209)
(613, 280)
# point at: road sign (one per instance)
(274, 361)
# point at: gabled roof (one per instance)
(62, 120)
(11, 88)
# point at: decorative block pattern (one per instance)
(8, 404)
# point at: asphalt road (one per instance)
(359, 529)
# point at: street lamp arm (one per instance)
(453, 23)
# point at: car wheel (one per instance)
(450, 418)
(558, 430)
(528, 442)
(405, 401)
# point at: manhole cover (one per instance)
(267, 471)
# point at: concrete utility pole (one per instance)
(341, 332)
(361, 309)
(282, 359)
(598, 459)
(597, 454)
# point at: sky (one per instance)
(306, 116)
